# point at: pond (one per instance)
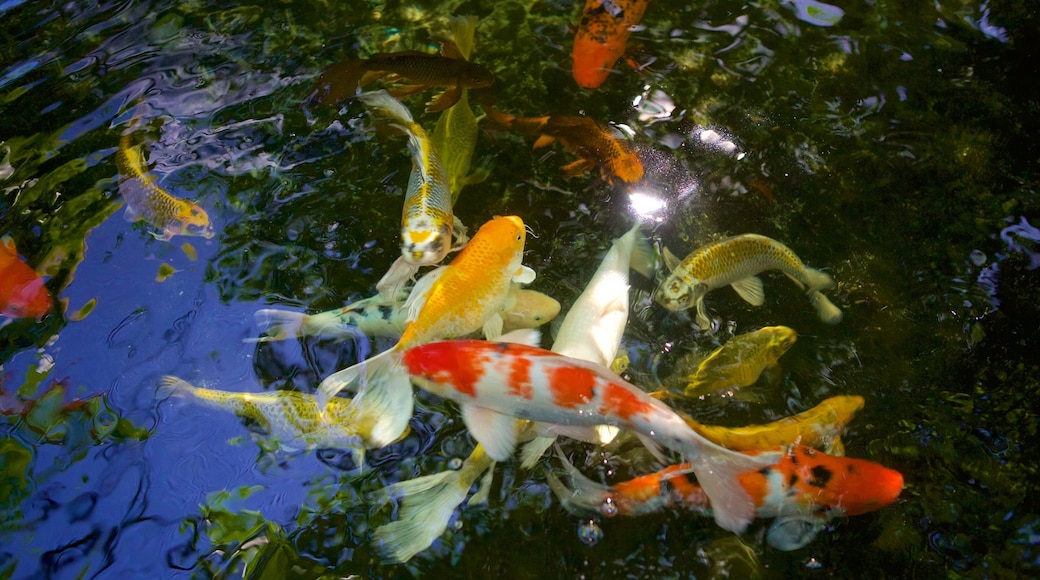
(890, 145)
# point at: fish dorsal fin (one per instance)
(525, 336)
(670, 260)
(420, 292)
(750, 289)
(524, 275)
(495, 431)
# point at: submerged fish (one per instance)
(591, 331)
(803, 489)
(455, 135)
(602, 36)
(380, 316)
(738, 363)
(23, 293)
(582, 136)
(820, 427)
(427, 220)
(293, 419)
(145, 200)
(342, 80)
(497, 383)
(735, 262)
(454, 300)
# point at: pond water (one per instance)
(890, 144)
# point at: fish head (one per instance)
(780, 338)
(476, 77)
(501, 240)
(424, 242)
(593, 61)
(677, 294)
(444, 367)
(192, 221)
(531, 309)
(28, 299)
(840, 484)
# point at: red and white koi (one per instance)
(496, 383)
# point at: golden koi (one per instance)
(820, 427)
(293, 419)
(803, 489)
(601, 38)
(145, 200)
(735, 262)
(736, 364)
(380, 316)
(582, 136)
(23, 293)
(453, 300)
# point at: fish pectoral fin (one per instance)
(493, 327)
(543, 141)
(703, 320)
(494, 430)
(577, 168)
(483, 488)
(524, 275)
(791, 532)
(671, 261)
(534, 449)
(750, 289)
(420, 292)
(525, 336)
(444, 100)
(399, 274)
(458, 231)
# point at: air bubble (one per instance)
(609, 508)
(455, 463)
(590, 533)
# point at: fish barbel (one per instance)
(735, 262)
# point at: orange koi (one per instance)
(454, 300)
(342, 80)
(602, 36)
(804, 489)
(582, 136)
(497, 383)
(22, 291)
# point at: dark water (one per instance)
(895, 149)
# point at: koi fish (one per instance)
(602, 36)
(427, 220)
(582, 136)
(820, 427)
(738, 363)
(380, 316)
(454, 300)
(293, 419)
(145, 200)
(455, 135)
(23, 293)
(804, 490)
(591, 331)
(342, 80)
(735, 262)
(496, 383)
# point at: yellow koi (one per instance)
(738, 363)
(293, 419)
(735, 262)
(451, 301)
(820, 427)
(145, 200)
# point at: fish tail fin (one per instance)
(387, 106)
(463, 29)
(817, 279)
(717, 470)
(278, 324)
(383, 405)
(427, 504)
(170, 386)
(642, 260)
(825, 309)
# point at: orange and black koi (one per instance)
(602, 37)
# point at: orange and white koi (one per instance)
(23, 293)
(454, 300)
(427, 220)
(820, 427)
(803, 489)
(602, 36)
(497, 383)
(582, 136)
(145, 200)
(735, 262)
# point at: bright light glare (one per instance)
(646, 205)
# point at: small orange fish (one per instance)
(582, 136)
(423, 70)
(804, 489)
(22, 291)
(602, 36)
